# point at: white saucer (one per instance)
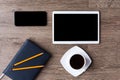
(65, 61)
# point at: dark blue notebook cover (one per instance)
(28, 49)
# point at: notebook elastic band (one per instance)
(2, 75)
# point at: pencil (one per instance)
(25, 60)
(26, 68)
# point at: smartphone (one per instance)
(30, 18)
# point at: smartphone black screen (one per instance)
(30, 18)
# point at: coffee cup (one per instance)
(77, 61)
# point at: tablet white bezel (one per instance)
(75, 42)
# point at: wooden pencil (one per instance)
(25, 60)
(26, 68)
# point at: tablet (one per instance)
(75, 27)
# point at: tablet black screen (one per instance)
(75, 27)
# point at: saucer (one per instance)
(65, 61)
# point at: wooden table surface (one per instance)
(105, 56)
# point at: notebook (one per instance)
(28, 62)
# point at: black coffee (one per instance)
(77, 61)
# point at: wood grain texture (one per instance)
(106, 57)
(104, 3)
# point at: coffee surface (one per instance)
(77, 61)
